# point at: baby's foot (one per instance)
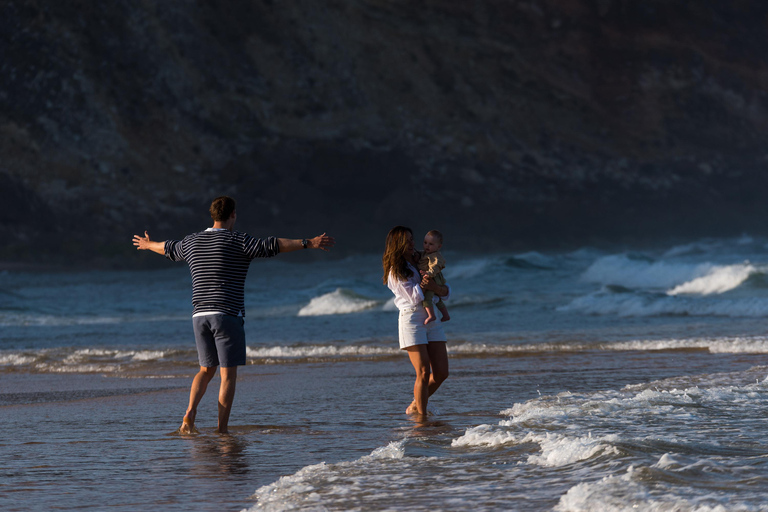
(445, 316)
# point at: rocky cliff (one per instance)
(504, 123)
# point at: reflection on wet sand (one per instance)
(427, 425)
(218, 456)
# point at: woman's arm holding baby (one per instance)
(428, 283)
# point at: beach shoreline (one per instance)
(116, 434)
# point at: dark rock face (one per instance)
(502, 123)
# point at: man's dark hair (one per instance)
(222, 208)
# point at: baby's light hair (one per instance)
(436, 234)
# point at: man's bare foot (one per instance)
(412, 409)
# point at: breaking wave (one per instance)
(637, 272)
(718, 279)
(338, 302)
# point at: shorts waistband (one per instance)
(409, 310)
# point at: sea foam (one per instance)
(629, 493)
(16, 359)
(724, 345)
(312, 487)
(12, 319)
(559, 450)
(319, 351)
(89, 360)
(486, 435)
(556, 450)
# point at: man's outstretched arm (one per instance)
(323, 242)
(143, 243)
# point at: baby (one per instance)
(432, 265)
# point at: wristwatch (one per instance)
(304, 243)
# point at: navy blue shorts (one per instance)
(220, 340)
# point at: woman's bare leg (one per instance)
(438, 357)
(419, 356)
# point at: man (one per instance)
(218, 260)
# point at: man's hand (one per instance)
(144, 243)
(141, 242)
(323, 242)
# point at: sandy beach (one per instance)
(598, 381)
(101, 442)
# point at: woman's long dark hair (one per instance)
(394, 261)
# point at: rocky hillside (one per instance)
(505, 123)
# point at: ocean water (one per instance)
(583, 380)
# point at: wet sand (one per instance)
(95, 442)
(89, 441)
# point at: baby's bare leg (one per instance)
(443, 312)
(430, 315)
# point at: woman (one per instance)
(425, 343)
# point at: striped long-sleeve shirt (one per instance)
(218, 261)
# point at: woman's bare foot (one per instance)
(188, 425)
(412, 409)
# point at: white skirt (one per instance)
(412, 330)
